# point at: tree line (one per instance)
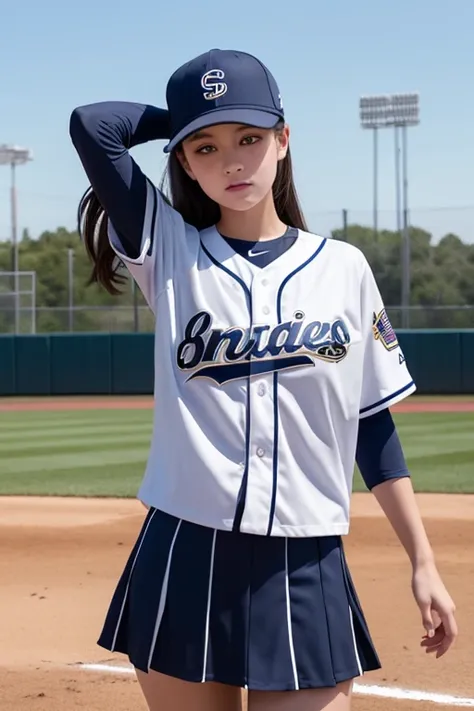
(442, 275)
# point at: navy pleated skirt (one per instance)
(263, 613)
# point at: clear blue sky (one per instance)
(56, 55)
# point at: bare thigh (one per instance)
(334, 699)
(165, 693)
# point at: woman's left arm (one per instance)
(397, 500)
(386, 381)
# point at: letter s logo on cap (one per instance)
(211, 82)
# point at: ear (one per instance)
(283, 141)
(184, 163)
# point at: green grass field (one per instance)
(103, 452)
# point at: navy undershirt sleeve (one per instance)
(102, 135)
(379, 453)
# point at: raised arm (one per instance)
(102, 135)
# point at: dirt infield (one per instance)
(58, 404)
(60, 559)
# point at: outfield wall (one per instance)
(122, 364)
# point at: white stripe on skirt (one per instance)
(288, 618)
(208, 610)
(114, 640)
(354, 640)
(163, 595)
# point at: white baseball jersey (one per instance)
(261, 376)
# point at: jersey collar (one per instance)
(305, 246)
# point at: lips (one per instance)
(238, 186)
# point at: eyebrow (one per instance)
(202, 134)
(198, 135)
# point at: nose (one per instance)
(232, 166)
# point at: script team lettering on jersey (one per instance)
(229, 354)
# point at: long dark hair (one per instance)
(187, 197)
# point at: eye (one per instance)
(205, 149)
(250, 140)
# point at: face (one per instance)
(235, 165)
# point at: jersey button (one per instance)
(266, 310)
(262, 389)
(260, 452)
(264, 282)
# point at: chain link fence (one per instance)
(17, 302)
(56, 297)
(127, 319)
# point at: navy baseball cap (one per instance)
(221, 86)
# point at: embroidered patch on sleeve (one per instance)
(383, 331)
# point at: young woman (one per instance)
(275, 366)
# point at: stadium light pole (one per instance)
(370, 108)
(397, 111)
(396, 134)
(13, 156)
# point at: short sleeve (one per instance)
(386, 379)
(163, 229)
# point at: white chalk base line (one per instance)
(387, 692)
